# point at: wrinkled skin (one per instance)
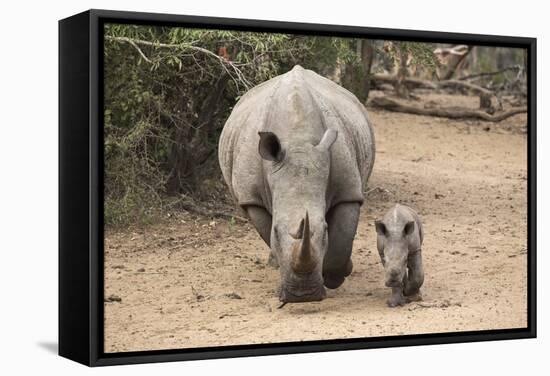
(399, 242)
(296, 153)
(307, 167)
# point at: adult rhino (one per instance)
(296, 153)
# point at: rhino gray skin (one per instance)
(296, 153)
(399, 242)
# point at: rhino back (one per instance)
(239, 140)
(346, 113)
(299, 105)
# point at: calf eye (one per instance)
(276, 232)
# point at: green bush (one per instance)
(168, 92)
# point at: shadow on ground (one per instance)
(50, 347)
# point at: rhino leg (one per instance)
(415, 275)
(261, 220)
(342, 224)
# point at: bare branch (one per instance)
(131, 42)
(493, 73)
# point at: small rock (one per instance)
(141, 270)
(233, 295)
(113, 298)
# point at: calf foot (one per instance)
(399, 301)
(416, 297)
(397, 298)
(272, 261)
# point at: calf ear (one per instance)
(409, 228)
(328, 139)
(380, 228)
(269, 146)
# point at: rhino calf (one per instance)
(399, 242)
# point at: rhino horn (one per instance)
(302, 255)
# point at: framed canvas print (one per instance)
(235, 187)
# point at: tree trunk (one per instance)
(367, 57)
(401, 89)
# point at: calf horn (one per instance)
(302, 253)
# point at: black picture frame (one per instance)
(81, 183)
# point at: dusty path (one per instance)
(194, 282)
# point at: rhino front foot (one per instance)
(333, 280)
(342, 222)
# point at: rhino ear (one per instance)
(409, 227)
(328, 139)
(270, 146)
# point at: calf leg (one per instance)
(261, 220)
(342, 224)
(415, 275)
(397, 298)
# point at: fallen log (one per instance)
(410, 82)
(447, 112)
(488, 101)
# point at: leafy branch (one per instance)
(230, 68)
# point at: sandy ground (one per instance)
(194, 282)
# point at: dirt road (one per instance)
(194, 282)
